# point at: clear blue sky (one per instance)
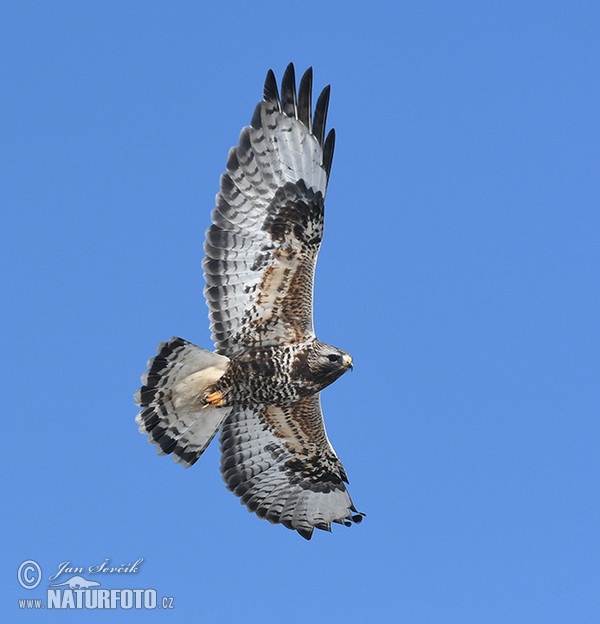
(460, 267)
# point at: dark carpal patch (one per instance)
(295, 214)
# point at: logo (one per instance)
(29, 574)
(78, 587)
(78, 582)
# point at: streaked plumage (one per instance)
(262, 385)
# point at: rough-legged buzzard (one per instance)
(261, 386)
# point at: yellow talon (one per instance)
(214, 399)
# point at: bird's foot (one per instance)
(213, 399)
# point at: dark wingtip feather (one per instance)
(321, 114)
(288, 91)
(328, 152)
(305, 99)
(256, 118)
(271, 93)
(305, 533)
(324, 526)
(232, 164)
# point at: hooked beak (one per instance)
(347, 362)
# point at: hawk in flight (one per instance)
(262, 384)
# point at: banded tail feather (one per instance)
(174, 414)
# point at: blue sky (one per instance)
(460, 268)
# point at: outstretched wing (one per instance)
(280, 462)
(268, 222)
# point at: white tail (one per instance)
(174, 414)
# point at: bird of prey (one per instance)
(261, 386)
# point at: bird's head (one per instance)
(328, 363)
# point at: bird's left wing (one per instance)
(279, 460)
(268, 222)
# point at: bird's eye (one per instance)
(333, 358)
